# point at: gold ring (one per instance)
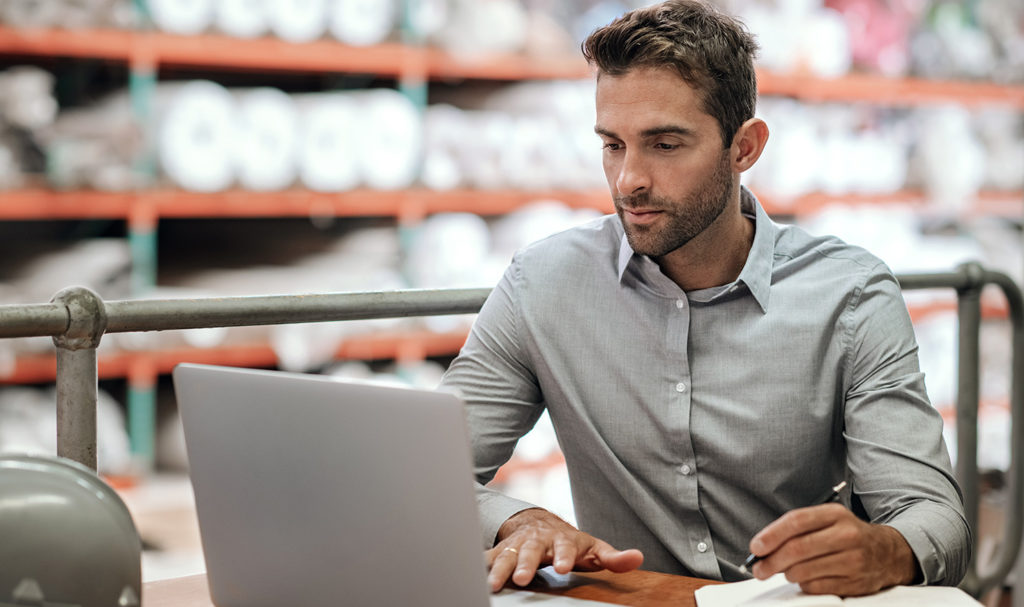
(512, 550)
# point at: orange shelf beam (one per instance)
(39, 203)
(872, 88)
(417, 345)
(150, 48)
(1001, 204)
(407, 205)
(269, 53)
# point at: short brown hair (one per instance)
(711, 51)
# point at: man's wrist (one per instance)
(907, 571)
(517, 520)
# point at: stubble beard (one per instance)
(684, 220)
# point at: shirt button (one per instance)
(702, 547)
(685, 469)
(679, 304)
(680, 387)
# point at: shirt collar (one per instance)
(757, 271)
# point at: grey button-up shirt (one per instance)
(690, 420)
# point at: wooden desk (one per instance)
(637, 588)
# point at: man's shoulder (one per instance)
(825, 253)
(596, 239)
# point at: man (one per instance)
(709, 373)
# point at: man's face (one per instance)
(663, 158)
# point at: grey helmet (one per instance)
(66, 538)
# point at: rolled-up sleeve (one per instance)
(897, 458)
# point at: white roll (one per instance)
(297, 20)
(328, 144)
(241, 18)
(444, 127)
(186, 17)
(196, 137)
(824, 43)
(475, 28)
(267, 139)
(391, 139)
(361, 22)
(30, 13)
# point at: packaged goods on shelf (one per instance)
(799, 37)
(28, 417)
(26, 97)
(211, 138)
(196, 136)
(354, 22)
(479, 28)
(950, 158)
(950, 153)
(69, 14)
(369, 137)
(362, 22)
(328, 160)
(27, 106)
(298, 20)
(970, 40)
(502, 138)
(267, 140)
(241, 18)
(95, 147)
(389, 137)
(830, 148)
(186, 17)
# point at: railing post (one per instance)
(967, 399)
(77, 374)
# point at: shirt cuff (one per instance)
(496, 508)
(936, 540)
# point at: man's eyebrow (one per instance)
(670, 129)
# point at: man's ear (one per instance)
(748, 143)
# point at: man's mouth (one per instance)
(640, 216)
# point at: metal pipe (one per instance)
(1013, 527)
(76, 405)
(33, 320)
(967, 399)
(77, 374)
(163, 314)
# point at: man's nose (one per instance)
(633, 174)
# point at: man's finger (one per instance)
(503, 563)
(620, 561)
(564, 555)
(831, 566)
(531, 554)
(794, 523)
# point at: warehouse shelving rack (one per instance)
(412, 65)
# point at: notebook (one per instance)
(315, 491)
(776, 591)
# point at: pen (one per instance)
(831, 497)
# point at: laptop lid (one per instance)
(314, 491)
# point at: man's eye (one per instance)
(665, 146)
(608, 145)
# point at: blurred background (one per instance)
(183, 148)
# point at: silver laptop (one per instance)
(313, 491)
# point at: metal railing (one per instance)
(77, 319)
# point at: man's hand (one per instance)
(533, 538)
(828, 550)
